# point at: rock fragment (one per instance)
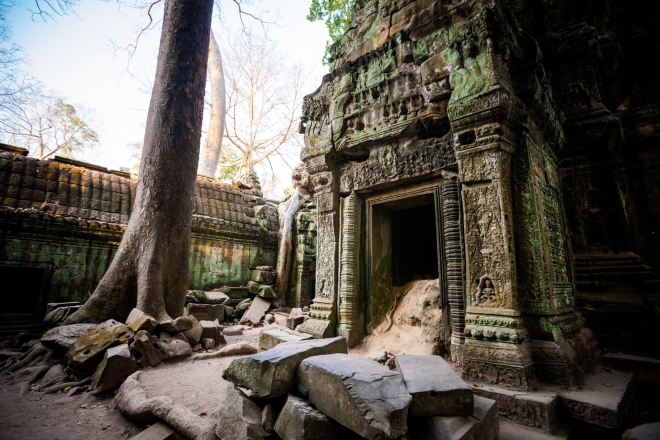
(240, 418)
(60, 339)
(173, 346)
(180, 324)
(206, 312)
(138, 320)
(435, 387)
(116, 366)
(483, 424)
(294, 321)
(266, 291)
(212, 330)
(272, 373)
(263, 276)
(86, 353)
(257, 310)
(144, 343)
(298, 420)
(194, 335)
(238, 349)
(208, 343)
(364, 396)
(268, 418)
(270, 338)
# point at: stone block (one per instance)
(435, 387)
(253, 287)
(145, 344)
(116, 366)
(257, 310)
(262, 276)
(208, 343)
(483, 424)
(364, 396)
(267, 291)
(298, 420)
(60, 339)
(270, 338)
(212, 330)
(217, 297)
(138, 320)
(272, 373)
(238, 349)
(268, 418)
(232, 331)
(87, 352)
(240, 417)
(206, 312)
(178, 325)
(237, 292)
(229, 311)
(294, 321)
(173, 346)
(195, 333)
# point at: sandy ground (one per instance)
(198, 384)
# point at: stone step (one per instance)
(643, 368)
(515, 431)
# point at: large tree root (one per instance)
(61, 386)
(133, 402)
(30, 357)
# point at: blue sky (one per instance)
(73, 56)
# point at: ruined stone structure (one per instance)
(510, 145)
(61, 222)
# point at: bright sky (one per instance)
(73, 56)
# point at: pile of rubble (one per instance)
(77, 357)
(313, 389)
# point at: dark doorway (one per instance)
(414, 245)
(22, 288)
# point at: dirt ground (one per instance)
(196, 383)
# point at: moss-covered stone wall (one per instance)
(69, 217)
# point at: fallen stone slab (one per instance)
(363, 395)
(238, 349)
(294, 321)
(435, 387)
(217, 297)
(272, 373)
(132, 401)
(240, 417)
(173, 346)
(242, 306)
(178, 325)
(116, 366)
(262, 276)
(194, 335)
(266, 291)
(87, 352)
(138, 320)
(157, 431)
(232, 331)
(257, 310)
(298, 420)
(145, 344)
(271, 338)
(482, 424)
(60, 339)
(647, 431)
(206, 312)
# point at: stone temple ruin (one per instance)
(478, 184)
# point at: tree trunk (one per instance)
(150, 269)
(299, 197)
(213, 145)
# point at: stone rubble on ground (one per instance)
(87, 352)
(360, 394)
(483, 424)
(213, 330)
(435, 387)
(178, 325)
(138, 320)
(256, 312)
(194, 335)
(206, 312)
(173, 346)
(298, 420)
(294, 321)
(60, 339)
(272, 373)
(240, 418)
(145, 344)
(270, 338)
(208, 343)
(117, 365)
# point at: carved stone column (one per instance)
(322, 312)
(349, 269)
(454, 259)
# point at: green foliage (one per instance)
(337, 17)
(229, 165)
(136, 155)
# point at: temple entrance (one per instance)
(414, 245)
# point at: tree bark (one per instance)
(150, 269)
(213, 144)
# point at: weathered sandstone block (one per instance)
(298, 420)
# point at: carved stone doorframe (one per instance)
(378, 251)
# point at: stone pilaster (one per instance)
(349, 269)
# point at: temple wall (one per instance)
(68, 218)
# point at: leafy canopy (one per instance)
(337, 17)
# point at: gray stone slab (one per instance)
(483, 424)
(87, 352)
(116, 366)
(206, 312)
(272, 373)
(435, 387)
(256, 312)
(298, 420)
(240, 417)
(271, 338)
(364, 396)
(144, 343)
(60, 339)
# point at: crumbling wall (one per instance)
(70, 217)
